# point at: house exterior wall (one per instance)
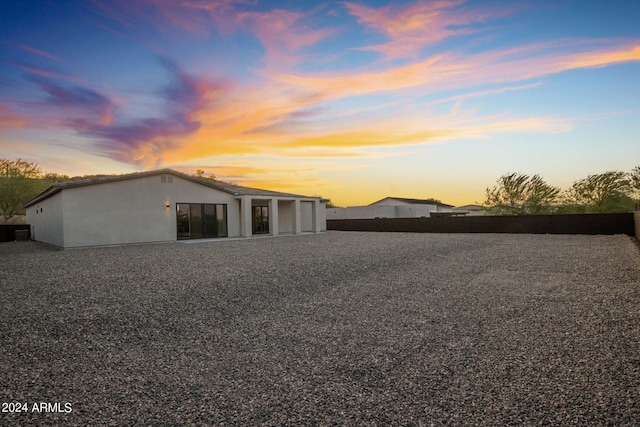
(389, 201)
(185, 191)
(357, 212)
(134, 211)
(306, 216)
(323, 216)
(285, 216)
(336, 213)
(234, 218)
(471, 210)
(46, 220)
(383, 210)
(415, 211)
(143, 209)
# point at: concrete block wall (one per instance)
(616, 223)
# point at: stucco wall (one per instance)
(143, 209)
(356, 212)
(380, 211)
(306, 216)
(323, 216)
(389, 201)
(285, 216)
(46, 220)
(134, 211)
(414, 211)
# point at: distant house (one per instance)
(471, 210)
(393, 207)
(165, 205)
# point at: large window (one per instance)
(260, 220)
(201, 220)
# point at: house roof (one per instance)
(472, 207)
(236, 190)
(416, 201)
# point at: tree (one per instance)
(600, 193)
(200, 174)
(634, 181)
(51, 178)
(19, 182)
(431, 199)
(520, 194)
(329, 203)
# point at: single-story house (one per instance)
(165, 205)
(472, 210)
(392, 207)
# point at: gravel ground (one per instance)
(340, 328)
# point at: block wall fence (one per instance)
(618, 223)
(8, 231)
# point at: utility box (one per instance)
(22, 235)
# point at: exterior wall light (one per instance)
(167, 205)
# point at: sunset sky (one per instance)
(351, 100)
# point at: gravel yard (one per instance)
(339, 328)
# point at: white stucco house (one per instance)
(165, 205)
(472, 210)
(392, 207)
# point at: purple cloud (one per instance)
(77, 99)
(94, 115)
(42, 71)
(127, 141)
(183, 92)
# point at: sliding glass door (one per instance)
(260, 220)
(201, 220)
(210, 225)
(184, 221)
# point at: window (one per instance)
(209, 223)
(195, 223)
(221, 218)
(201, 220)
(260, 220)
(182, 211)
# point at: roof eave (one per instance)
(44, 195)
(226, 188)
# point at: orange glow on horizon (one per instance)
(355, 101)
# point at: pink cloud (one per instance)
(10, 118)
(456, 71)
(43, 71)
(283, 33)
(37, 52)
(412, 26)
(600, 58)
(195, 17)
(285, 115)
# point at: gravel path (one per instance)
(341, 328)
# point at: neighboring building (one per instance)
(471, 210)
(393, 207)
(165, 205)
